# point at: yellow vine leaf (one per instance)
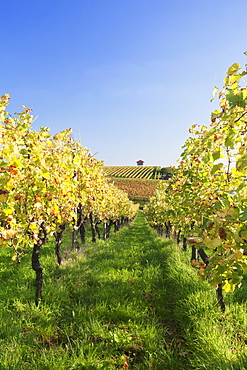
(238, 254)
(8, 234)
(228, 287)
(212, 243)
(233, 69)
(3, 198)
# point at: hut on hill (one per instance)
(140, 162)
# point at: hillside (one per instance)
(139, 182)
(139, 190)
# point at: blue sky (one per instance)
(128, 76)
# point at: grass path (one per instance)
(128, 303)
(123, 289)
(102, 310)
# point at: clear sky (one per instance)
(128, 76)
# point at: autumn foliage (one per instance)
(206, 200)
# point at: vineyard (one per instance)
(204, 203)
(143, 296)
(139, 172)
(47, 184)
(138, 182)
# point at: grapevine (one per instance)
(44, 181)
(206, 200)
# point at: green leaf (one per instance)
(216, 167)
(207, 157)
(233, 100)
(229, 141)
(216, 281)
(241, 164)
(225, 202)
(218, 205)
(216, 155)
(243, 215)
(221, 269)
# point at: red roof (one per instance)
(140, 161)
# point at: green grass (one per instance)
(212, 340)
(131, 300)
